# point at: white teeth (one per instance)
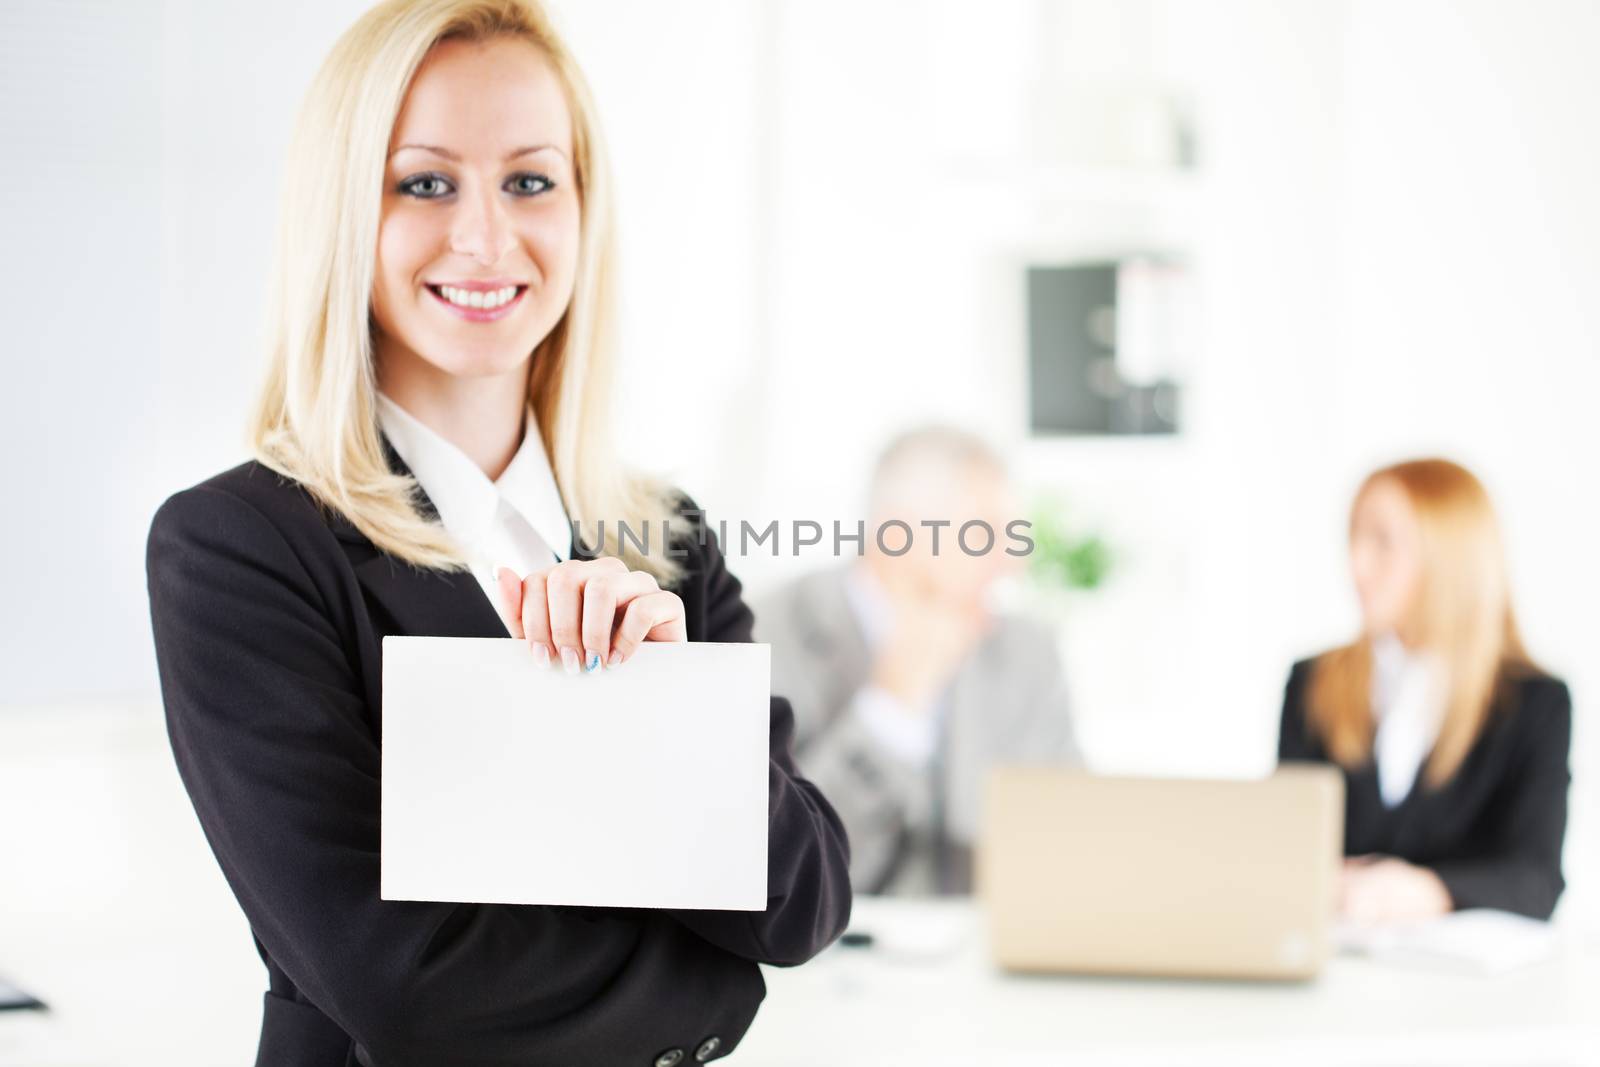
(473, 299)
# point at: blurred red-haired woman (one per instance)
(1454, 745)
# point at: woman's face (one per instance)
(480, 203)
(1385, 556)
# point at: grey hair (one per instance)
(933, 452)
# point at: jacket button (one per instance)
(670, 1058)
(708, 1048)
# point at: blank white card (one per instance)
(508, 782)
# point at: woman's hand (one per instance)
(589, 611)
(1383, 889)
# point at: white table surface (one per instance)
(947, 1004)
(112, 909)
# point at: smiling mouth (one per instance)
(478, 306)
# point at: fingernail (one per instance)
(569, 660)
(541, 653)
(616, 658)
(594, 661)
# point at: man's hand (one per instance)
(929, 640)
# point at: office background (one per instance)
(1385, 212)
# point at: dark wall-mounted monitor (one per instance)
(1102, 338)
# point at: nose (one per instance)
(481, 228)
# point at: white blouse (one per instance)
(1408, 697)
(516, 521)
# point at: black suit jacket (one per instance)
(268, 615)
(1493, 832)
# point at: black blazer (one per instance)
(268, 614)
(1493, 832)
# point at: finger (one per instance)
(536, 615)
(602, 596)
(562, 587)
(564, 597)
(633, 584)
(599, 609)
(656, 616)
(510, 599)
(673, 627)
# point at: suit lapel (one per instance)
(834, 637)
(428, 603)
(419, 601)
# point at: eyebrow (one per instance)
(446, 153)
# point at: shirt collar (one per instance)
(1398, 670)
(1389, 655)
(467, 501)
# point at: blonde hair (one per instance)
(1462, 612)
(316, 416)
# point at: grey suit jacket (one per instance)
(911, 828)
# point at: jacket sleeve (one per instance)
(883, 797)
(1047, 733)
(808, 853)
(1519, 868)
(272, 739)
(1294, 737)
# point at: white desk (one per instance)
(112, 909)
(954, 1007)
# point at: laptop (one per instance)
(1165, 877)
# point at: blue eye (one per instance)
(543, 184)
(434, 186)
(425, 186)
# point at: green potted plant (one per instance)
(1065, 558)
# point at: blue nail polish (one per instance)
(594, 661)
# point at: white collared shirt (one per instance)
(1408, 704)
(911, 734)
(516, 521)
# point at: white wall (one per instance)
(80, 114)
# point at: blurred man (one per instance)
(906, 685)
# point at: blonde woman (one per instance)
(1454, 744)
(434, 418)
